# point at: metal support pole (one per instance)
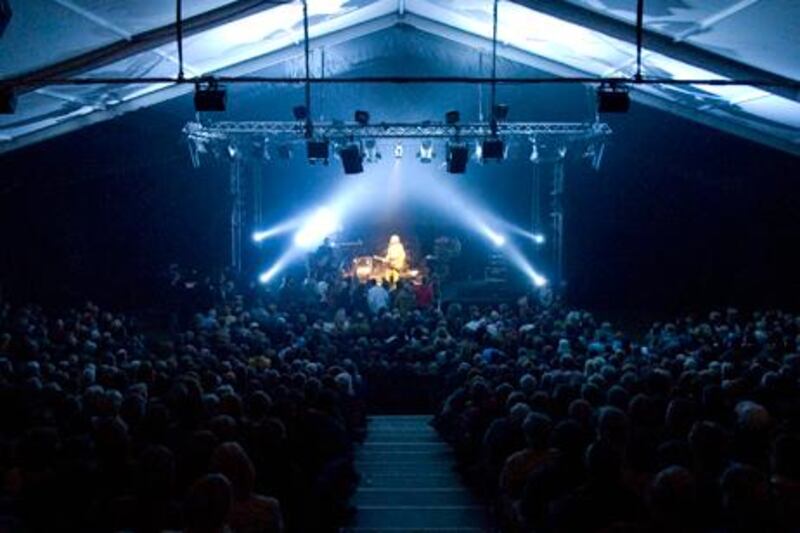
(237, 214)
(557, 216)
(258, 192)
(536, 198)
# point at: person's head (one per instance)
(672, 498)
(612, 428)
(230, 460)
(207, 505)
(394, 239)
(536, 428)
(603, 462)
(745, 494)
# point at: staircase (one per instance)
(409, 482)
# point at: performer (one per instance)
(395, 258)
(324, 259)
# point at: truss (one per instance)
(289, 131)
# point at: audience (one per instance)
(242, 412)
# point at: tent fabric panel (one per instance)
(767, 34)
(42, 32)
(138, 16)
(275, 29)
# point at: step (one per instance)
(416, 480)
(388, 445)
(434, 457)
(416, 530)
(376, 516)
(405, 497)
(393, 436)
(378, 418)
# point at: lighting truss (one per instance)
(222, 131)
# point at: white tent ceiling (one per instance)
(684, 39)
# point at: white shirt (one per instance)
(377, 299)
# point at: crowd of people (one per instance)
(570, 426)
(241, 412)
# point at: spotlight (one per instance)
(265, 151)
(398, 150)
(300, 112)
(613, 98)
(317, 151)
(371, 152)
(210, 96)
(497, 239)
(452, 117)
(500, 111)
(534, 151)
(538, 279)
(426, 153)
(538, 238)
(594, 152)
(270, 274)
(362, 117)
(284, 151)
(352, 159)
(457, 158)
(233, 151)
(492, 149)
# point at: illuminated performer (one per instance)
(395, 259)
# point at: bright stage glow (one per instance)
(261, 236)
(496, 238)
(538, 238)
(538, 280)
(322, 223)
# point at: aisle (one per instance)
(409, 483)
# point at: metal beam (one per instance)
(645, 94)
(227, 130)
(682, 51)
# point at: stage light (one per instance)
(284, 151)
(500, 111)
(233, 151)
(268, 276)
(538, 279)
(315, 228)
(457, 157)
(538, 238)
(496, 238)
(534, 151)
(318, 151)
(300, 112)
(452, 117)
(398, 150)
(8, 101)
(613, 98)
(426, 153)
(371, 153)
(352, 159)
(492, 149)
(594, 153)
(210, 96)
(362, 117)
(283, 227)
